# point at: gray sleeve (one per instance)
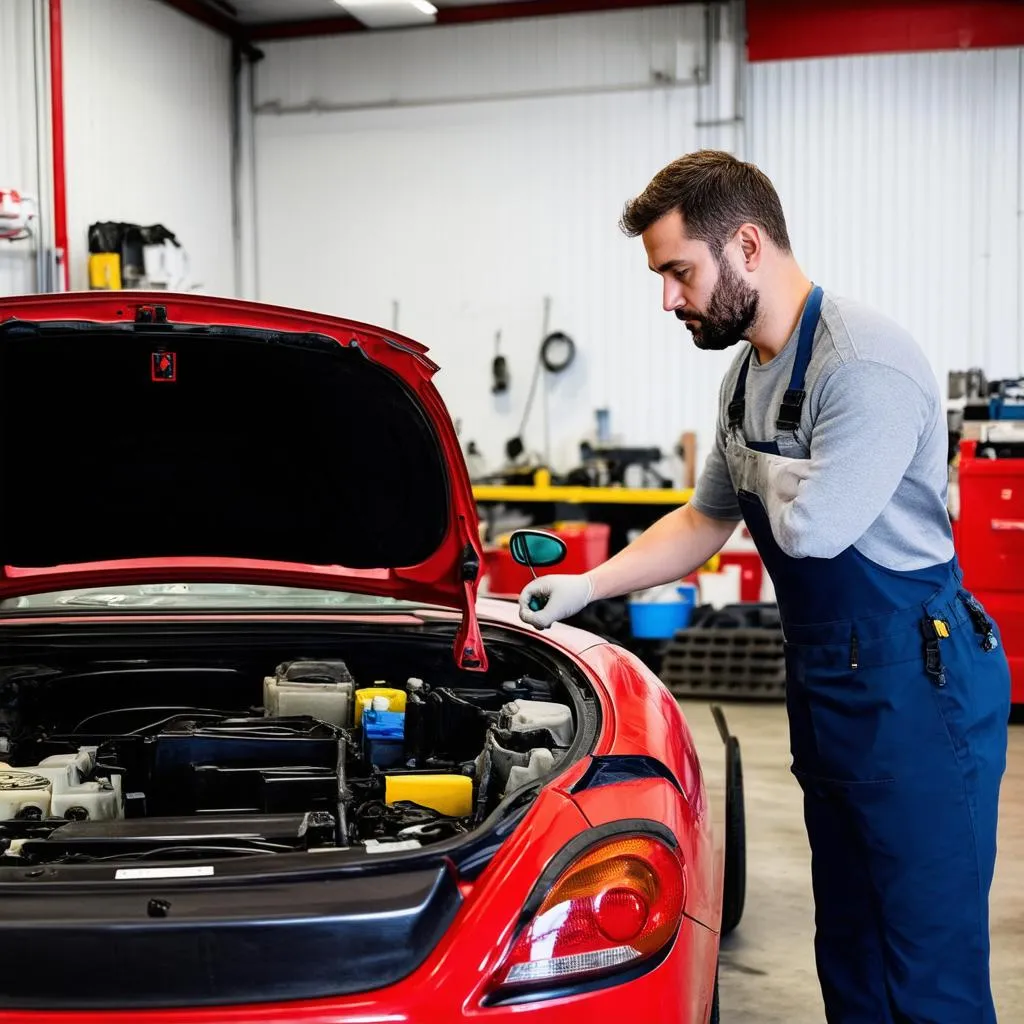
(867, 431)
(714, 495)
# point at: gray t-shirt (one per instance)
(874, 431)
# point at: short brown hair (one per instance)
(715, 193)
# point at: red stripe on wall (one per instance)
(787, 29)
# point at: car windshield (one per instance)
(202, 597)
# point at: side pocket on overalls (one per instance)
(973, 695)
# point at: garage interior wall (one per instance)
(19, 153)
(148, 127)
(903, 184)
(466, 173)
(388, 169)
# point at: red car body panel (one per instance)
(639, 718)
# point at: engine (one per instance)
(320, 762)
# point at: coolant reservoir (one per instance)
(446, 794)
(322, 690)
(21, 790)
(526, 715)
(71, 767)
(365, 696)
(96, 800)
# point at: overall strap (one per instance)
(738, 405)
(793, 399)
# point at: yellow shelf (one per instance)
(542, 490)
(582, 495)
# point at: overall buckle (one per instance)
(934, 630)
(982, 624)
(791, 408)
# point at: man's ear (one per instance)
(751, 243)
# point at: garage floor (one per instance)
(767, 970)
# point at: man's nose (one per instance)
(672, 296)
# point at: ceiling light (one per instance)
(390, 13)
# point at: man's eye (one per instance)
(682, 276)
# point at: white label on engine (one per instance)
(374, 846)
(126, 873)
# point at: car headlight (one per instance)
(615, 905)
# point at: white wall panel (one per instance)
(148, 126)
(902, 182)
(18, 159)
(469, 210)
(619, 49)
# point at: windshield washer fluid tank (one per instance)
(527, 715)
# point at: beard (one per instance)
(732, 311)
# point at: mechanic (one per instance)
(831, 445)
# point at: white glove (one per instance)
(562, 598)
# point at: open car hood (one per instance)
(159, 437)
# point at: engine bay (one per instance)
(309, 759)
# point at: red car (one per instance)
(263, 756)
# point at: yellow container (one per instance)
(105, 270)
(446, 794)
(364, 698)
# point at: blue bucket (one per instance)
(661, 620)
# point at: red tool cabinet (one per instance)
(989, 536)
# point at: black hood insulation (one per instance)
(154, 441)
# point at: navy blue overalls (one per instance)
(898, 699)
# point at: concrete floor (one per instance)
(767, 971)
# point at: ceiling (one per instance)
(258, 12)
(253, 21)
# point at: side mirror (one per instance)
(536, 549)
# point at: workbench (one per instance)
(622, 508)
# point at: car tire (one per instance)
(735, 882)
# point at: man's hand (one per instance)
(556, 598)
(676, 545)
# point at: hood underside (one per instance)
(170, 436)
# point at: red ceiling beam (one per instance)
(537, 9)
(209, 16)
(790, 29)
(301, 29)
(216, 16)
(455, 16)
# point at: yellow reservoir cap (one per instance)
(364, 697)
(446, 794)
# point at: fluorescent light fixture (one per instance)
(390, 13)
(389, 9)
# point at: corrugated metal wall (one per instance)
(148, 125)
(469, 172)
(18, 159)
(902, 181)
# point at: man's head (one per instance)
(713, 229)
